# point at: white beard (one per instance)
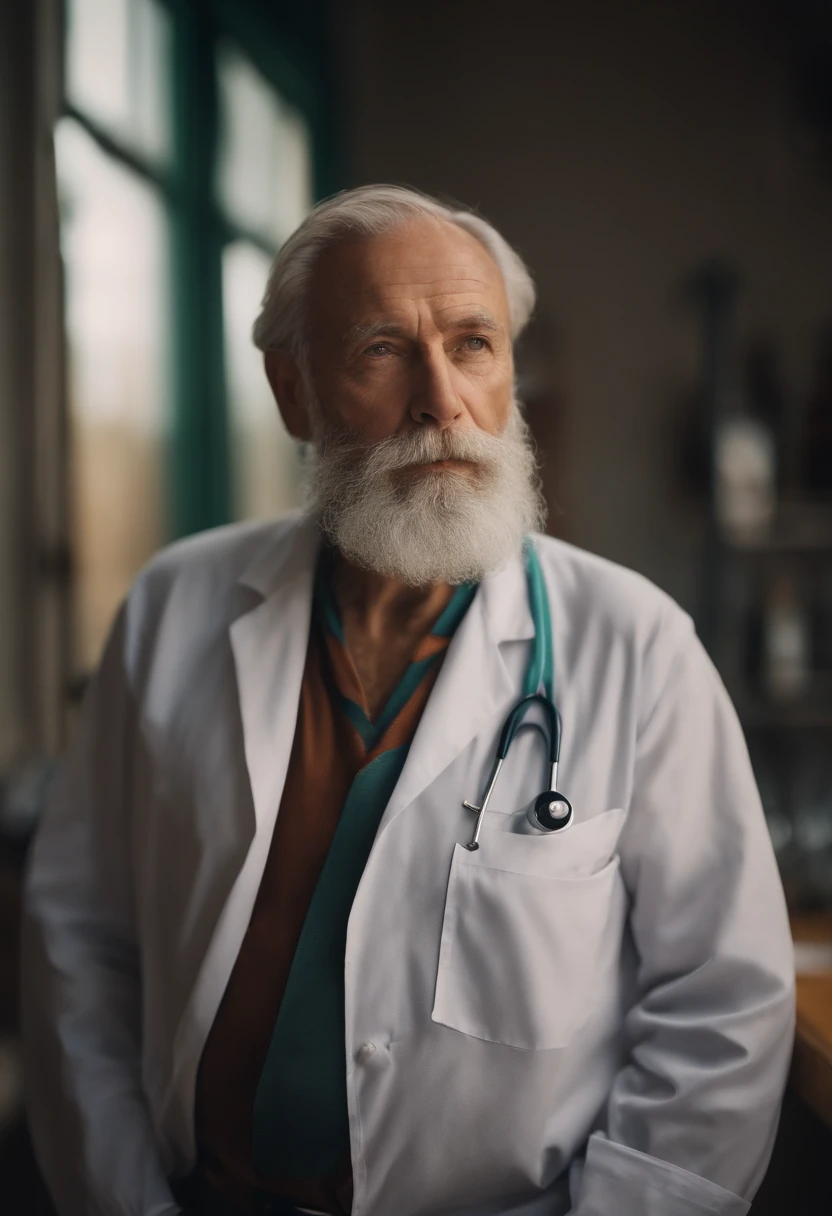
(448, 525)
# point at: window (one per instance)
(264, 184)
(115, 246)
(264, 173)
(189, 150)
(264, 465)
(118, 70)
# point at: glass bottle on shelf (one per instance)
(816, 454)
(748, 464)
(786, 669)
(766, 399)
(745, 477)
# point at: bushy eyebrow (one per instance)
(368, 330)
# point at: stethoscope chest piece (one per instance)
(549, 812)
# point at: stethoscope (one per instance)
(549, 811)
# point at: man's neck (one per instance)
(383, 619)
(378, 606)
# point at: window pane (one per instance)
(264, 456)
(265, 164)
(117, 69)
(114, 245)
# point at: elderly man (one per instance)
(288, 945)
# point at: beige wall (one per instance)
(616, 144)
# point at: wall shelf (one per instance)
(766, 617)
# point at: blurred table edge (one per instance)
(811, 1070)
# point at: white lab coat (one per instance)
(597, 1022)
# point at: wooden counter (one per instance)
(811, 1075)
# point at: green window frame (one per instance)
(290, 46)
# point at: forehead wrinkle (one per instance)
(474, 307)
(402, 304)
(397, 308)
(395, 328)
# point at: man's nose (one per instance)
(435, 397)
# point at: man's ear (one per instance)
(287, 384)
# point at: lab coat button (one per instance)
(364, 1053)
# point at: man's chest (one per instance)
(380, 664)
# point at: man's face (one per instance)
(410, 330)
(421, 466)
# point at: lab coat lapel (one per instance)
(269, 638)
(269, 643)
(474, 684)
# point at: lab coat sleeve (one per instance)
(81, 990)
(693, 1112)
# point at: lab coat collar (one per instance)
(505, 600)
(291, 551)
(269, 640)
(474, 687)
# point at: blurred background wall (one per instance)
(666, 171)
(618, 146)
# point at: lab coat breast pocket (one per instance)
(522, 953)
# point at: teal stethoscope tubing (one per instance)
(540, 672)
(541, 669)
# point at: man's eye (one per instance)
(378, 350)
(475, 345)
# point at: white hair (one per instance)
(369, 211)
